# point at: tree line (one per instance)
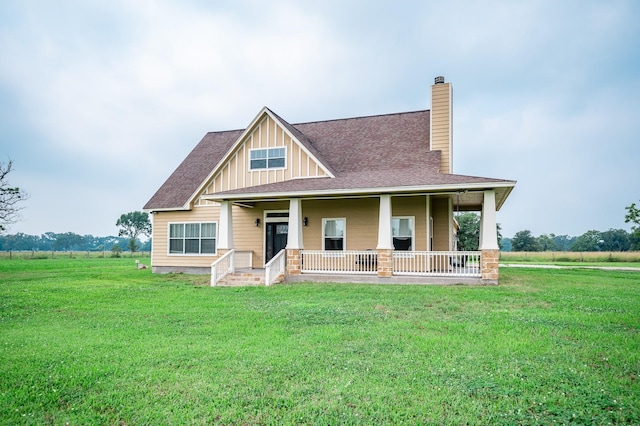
(68, 241)
(593, 240)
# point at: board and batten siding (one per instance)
(267, 133)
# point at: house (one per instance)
(369, 198)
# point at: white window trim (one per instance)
(413, 236)
(334, 253)
(268, 168)
(190, 254)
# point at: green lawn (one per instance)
(95, 341)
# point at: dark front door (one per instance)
(276, 238)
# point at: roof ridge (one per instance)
(362, 116)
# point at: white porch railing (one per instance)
(275, 268)
(339, 262)
(437, 263)
(222, 267)
(418, 263)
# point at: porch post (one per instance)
(385, 240)
(294, 237)
(225, 225)
(489, 238)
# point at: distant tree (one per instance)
(116, 251)
(68, 241)
(132, 225)
(469, 232)
(563, 242)
(546, 243)
(615, 240)
(589, 241)
(524, 241)
(10, 197)
(633, 216)
(505, 244)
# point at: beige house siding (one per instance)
(416, 207)
(236, 173)
(160, 253)
(441, 222)
(441, 118)
(361, 217)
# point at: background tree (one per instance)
(10, 197)
(563, 242)
(589, 241)
(614, 240)
(524, 241)
(633, 216)
(132, 225)
(469, 232)
(546, 243)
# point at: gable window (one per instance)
(333, 234)
(267, 158)
(402, 231)
(192, 238)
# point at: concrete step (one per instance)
(240, 279)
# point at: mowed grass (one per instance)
(96, 341)
(571, 258)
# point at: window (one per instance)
(333, 234)
(267, 158)
(192, 238)
(402, 232)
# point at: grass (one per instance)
(96, 341)
(567, 258)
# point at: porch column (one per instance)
(225, 225)
(294, 237)
(385, 239)
(489, 238)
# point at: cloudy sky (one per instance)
(101, 100)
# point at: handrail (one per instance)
(222, 267)
(275, 268)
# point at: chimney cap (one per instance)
(439, 79)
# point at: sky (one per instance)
(101, 100)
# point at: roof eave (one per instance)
(264, 196)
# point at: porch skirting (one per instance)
(394, 280)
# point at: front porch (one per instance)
(406, 267)
(400, 240)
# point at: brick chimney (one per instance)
(441, 128)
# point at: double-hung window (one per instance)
(267, 158)
(402, 231)
(333, 234)
(192, 238)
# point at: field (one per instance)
(625, 259)
(96, 341)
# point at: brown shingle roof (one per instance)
(380, 151)
(186, 179)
